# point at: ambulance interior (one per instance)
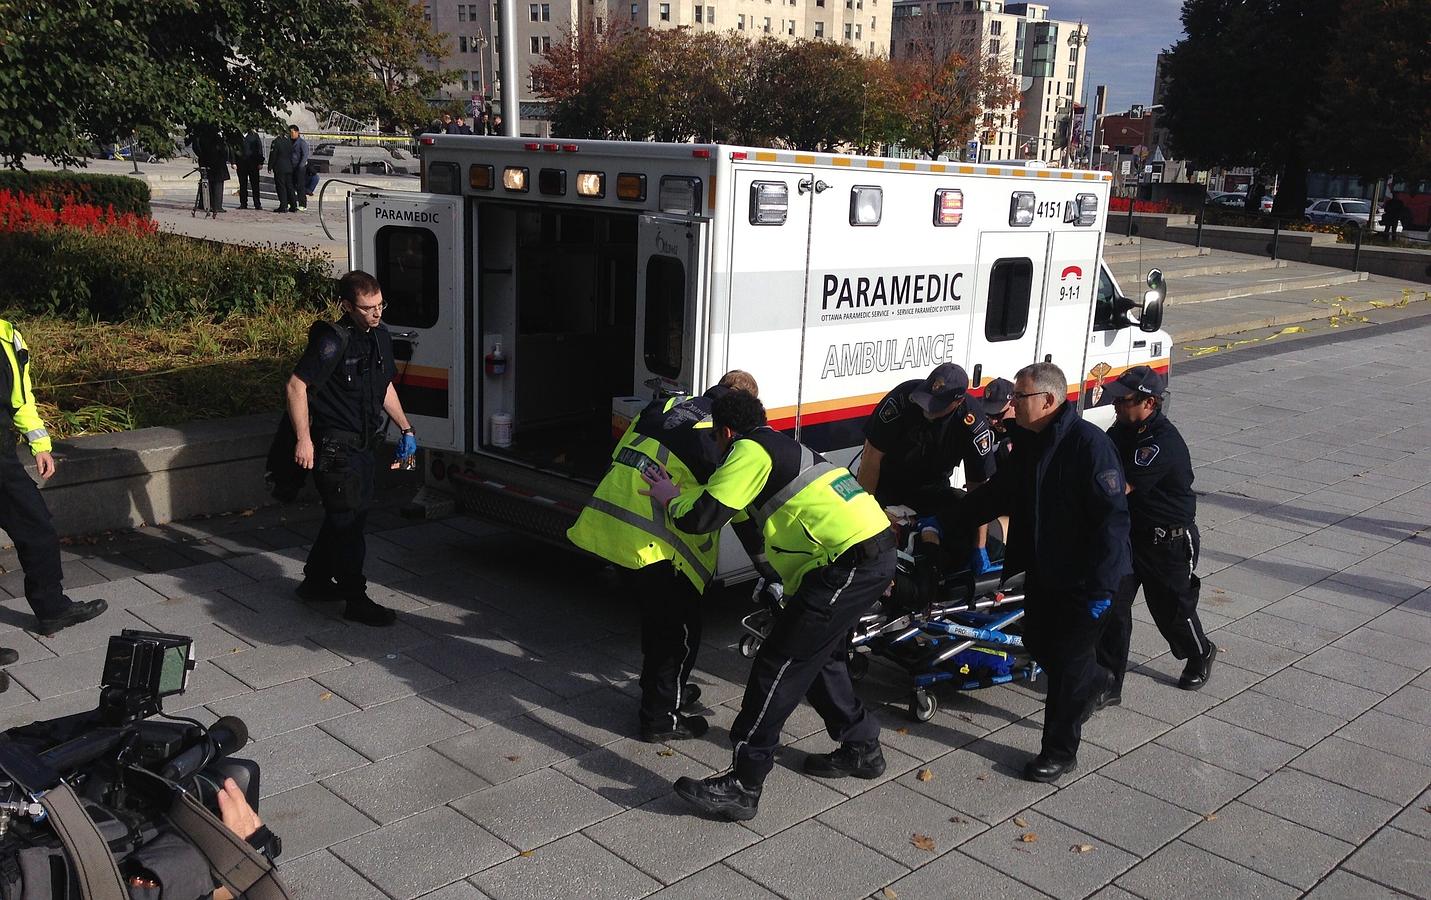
(557, 288)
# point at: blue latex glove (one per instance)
(979, 562)
(406, 446)
(1096, 608)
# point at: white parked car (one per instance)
(1342, 211)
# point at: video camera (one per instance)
(123, 766)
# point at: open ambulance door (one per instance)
(669, 304)
(1008, 303)
(412, 243)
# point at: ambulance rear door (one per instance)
(412, 243)
(1008, 301)
(670, 301)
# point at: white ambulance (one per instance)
(547, 289)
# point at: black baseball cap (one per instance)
(1139, 380)
(997, 395)
(946, 384)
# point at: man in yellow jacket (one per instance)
(23, 514)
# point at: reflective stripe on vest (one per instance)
(810, 471)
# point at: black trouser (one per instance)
(283, 187)
(26, 518)
(806, 655)
(670, 639)
(1061, 636)
(344, 473)
(299, 186)
(216, 193)
(248, 184)
(1164, 568)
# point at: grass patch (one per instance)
(97, 377)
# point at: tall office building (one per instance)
(1045, 57)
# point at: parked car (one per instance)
(1238, 201)
(1342, 211)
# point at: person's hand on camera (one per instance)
(241, 818)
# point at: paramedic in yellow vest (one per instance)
(23, 514)
(810, 524)
(668, 570)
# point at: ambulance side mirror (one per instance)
(1150, 318)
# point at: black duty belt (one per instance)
(350, 439)
(1162, 534)
(868, 549)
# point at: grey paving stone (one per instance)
(1319, 693)
(1360, 599)
(1411, 703)
(51, 708)
(466, 658)
(492, 698)
(404, 784)
(509, 749)
(392, 728)
(923, 740)
(1402, 647)
(1358, 668)
(209, 576)
(1230, 747)
(58, 675)
(1302, 637)
(1342, 885)
(1405, 624)
(1228, 679)
(1177, 778)
(1228, 602)
(1050, 862)
(1320, 804)
(1181, 871)
(887, 818)
(1265, 714)
(1367, 769)
(371, 683)
(207, 684)
(94, 633)
(1396, 859)
(957, 875)
(266, 666)
(665, 839)
(312, 818)
(1270, 845)
(1267, 578)
(574, 866)
(717, 881)
(300, 757)
(833, 865)
(421, 853)
(1117, 814)
(629, 772)
(788, 799)
(1416, 818)
(323, 875)
(1393, 734)
(459, 891)
(284, 707)
(506, 810)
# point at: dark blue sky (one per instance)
(1124, 39)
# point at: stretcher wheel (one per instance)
(923, 705)
(749, 646)
(859, 666)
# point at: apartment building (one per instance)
(1046, 57)
(474, 46)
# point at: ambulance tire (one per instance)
(923, 705)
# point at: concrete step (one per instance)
(1199, 321)
(1187, 267)
(1116, 250)
(1292, 277)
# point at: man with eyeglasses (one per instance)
(344, 383)
(1063, 491)
(1162, 508)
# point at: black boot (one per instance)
(721, 795)
(318, 589)
(364, 611)
(691, 699)
(73, 615)
(1109, 697)
(8, 656)
(1044, 769)
(1196, 671)
(685, 728)
(859, 760)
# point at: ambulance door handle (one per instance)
(807, 184)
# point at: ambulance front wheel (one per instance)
(749, 646)
(923, 705)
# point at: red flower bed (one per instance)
(24, 212)
(1120, 204)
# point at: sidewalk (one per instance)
(483, 746)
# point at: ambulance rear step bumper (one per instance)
(495, 496)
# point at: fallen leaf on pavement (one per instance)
(966, 718)
(889, 894)
(513, 758)
(666, 752)
(527, 853)
(901, 730)
(983, 777)
(326, 695)
(248, 512)
(1081, 848)
(925, 775)
(1021, 822)
(1209, 817)
(1028, 837)
(922, 841)
(958, 820)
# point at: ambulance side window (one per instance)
(407, 270)
(1010, 287)
(665, 315)
(1104, 317)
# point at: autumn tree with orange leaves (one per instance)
(948, 83)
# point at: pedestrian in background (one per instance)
(1065, 496)
(250, 160)
(299, 175)
(280, 165)
(213, 157)
(23, 513)
(1162, 509)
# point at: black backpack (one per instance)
(284, 476)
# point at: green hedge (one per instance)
(125, 194)
(151, 277)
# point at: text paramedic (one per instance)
(895, 290)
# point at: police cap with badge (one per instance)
(1140, 381)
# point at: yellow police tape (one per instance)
(1339, 316)
(362, 138)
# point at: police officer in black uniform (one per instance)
(346, 399)
(916, 436)
(1162, 508)
(997, 405)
